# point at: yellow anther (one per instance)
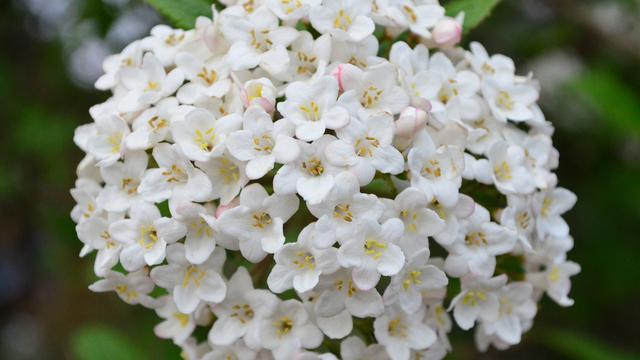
(192, 274)
(156, 123)
(148, 236)
(263, 143)
(152, 86)
(413, 278)
(476, 238)
(304, 260)
(546, 206)
(411, 14)
(261, 220)
(208, 76)
(554, 274)
(371, 96)
(473, 297)
(374, 248)
(432, 170)
(243, 313)
(343, 211)
(206, 139)
(342, 21)
(503, 171)
(176, 174)
(201, 228)
(173, 39)
(312, 111)
(523, 219)
(115, 140)
(313, 166)
(283, 326)
(504, 100)
(397, 328)
(229, 171)
(183, 319)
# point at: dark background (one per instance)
(585, 53)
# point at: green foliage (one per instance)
(182, 13)
(618, 103)
(475, 11)
(102, 343)
(576, 346)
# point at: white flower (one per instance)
(509, 169)
(133, 288)
(334, 326)
(509, 100)
(191, 284)
(400, 332)
(420, 222)
(458, 87)
(227, 176)
(203, 231)
(436, 171)
(145, 235)
(300, 264)
(85, 194)
(516, 306)
(366, 146)
(257, 40)
(122, 179)
(201, 136)
(416, 277)
(478, 242)
(174, 178)
(549, 206)
(373, 252)
(338, 292)
(94, 233)
(107, 144)
(288, 10)
(289, 329)
(354, 348)
(308, 57)
(344, 20)
(153, 125)
(495, 66)
(341, 211)
(312, 108)
(310, 175)
(419, 82)
(148, 84)
(257, 222)
(360, 54)
(241, 312)
(262, 142)
(372, 90)
(165, 42)
(130, 56)
(260, 92)
(477, 300)
(207, 78)
(555, 280)
(176, 325)
(519, 216)
(423, 17)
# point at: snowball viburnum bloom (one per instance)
(207, 78)
(510, 173)
(479, 241)
(406, 287)
(175, 177)
(372, 90)
(132, 288)
(400, 332)
(108, 143)
(341, 211)
(227, 176)
(122, 180)
(145, 236)
(201, 136)
(148, 84)
(300, 264)
(191, 284)
(310, 174)
(288, 329)
(94, 233)
(240, 314)
(258, 221)
(548, 206)
(373, 252)
(516, 307)
(436, 171)
(344, 20)
(312, 108)
(339, 292)
(261, 142)
(365, 146)
(153, 125)
(508, 100)
(477, 300)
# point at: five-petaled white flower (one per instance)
(400, 332)
(343, 19)
(133, 288)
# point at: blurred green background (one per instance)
(586, 55)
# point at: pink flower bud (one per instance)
(410, 121)
(337, 73)
(222, 208)
(447, 32)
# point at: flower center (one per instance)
(183, 319)
(261, 220)
(503, 171)
(413, 278)
(304, 260)
(371, 96)
(176, 174)
(374, 248)
(260, 40)
(475, 238)
(364, 147)
(432, 170)
(504, 100)
(156, 123)
(208, 76)
(129, 186)
(228, 171)
(244, 313)
(201, 228)
(115, 140)
(313, 166)
(306, 63)
(410, 219)
(473, 297)
(342, 21)
(205, 140)
(126, 292)
(343, 211)
(397, 328)
(148, 236)
(283, 326)
(290, 6)
(546, 206)
(263, 144)
(192, 274)
(311, 111)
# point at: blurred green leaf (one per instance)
(182, 13)
(101, 343)
(474, 11)
(611, 97)
(577, 346)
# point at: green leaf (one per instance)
(612, 98)
(182, 13)
(474, 11)
(97, 342)
(576, 346)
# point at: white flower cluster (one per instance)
(197, 165)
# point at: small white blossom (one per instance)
(400, 332)
(344, 20)
(478, 300)
(132, 288)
